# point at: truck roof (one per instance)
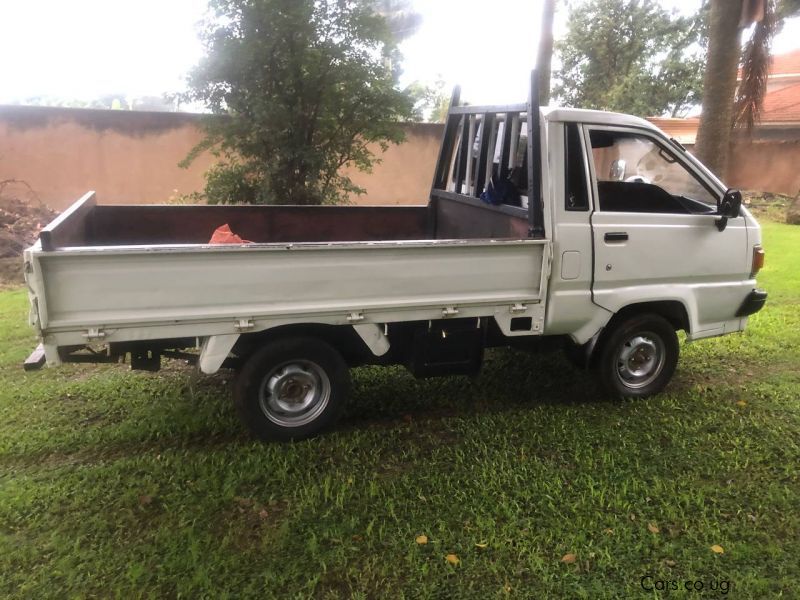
(555, 113)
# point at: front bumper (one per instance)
(753, 303)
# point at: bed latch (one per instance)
(244, 324)
(94, 334)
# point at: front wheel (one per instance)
(292, 389)
(638, 357)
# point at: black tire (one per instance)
(637, 356)
(292, 389)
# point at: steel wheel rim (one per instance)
(294, 393)
(640, 360)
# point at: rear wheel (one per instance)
(638, 357)
(292, 389)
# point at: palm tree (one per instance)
(725, 105)
(719, 84)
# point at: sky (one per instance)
(83, 49)
(87, 48)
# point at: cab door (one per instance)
(655, 230)
(570, 309)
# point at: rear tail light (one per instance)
(758, 260)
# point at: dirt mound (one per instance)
(793, 212)
(766, 205)
(22, 216)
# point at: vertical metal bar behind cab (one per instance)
(484, 162)
(462, 154)
(468, 172)
(505, 144)
(442, 171)
(448, 138)
(535, 208)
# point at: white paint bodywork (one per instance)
(217, 293)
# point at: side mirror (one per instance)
(728, 208)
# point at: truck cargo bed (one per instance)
(122, 273)
(86, 223)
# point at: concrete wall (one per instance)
(768, 166)
(132, 157)
(405, 172)
(126, 157)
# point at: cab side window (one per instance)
(577, 192)
(636, 174)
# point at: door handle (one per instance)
(616, 236)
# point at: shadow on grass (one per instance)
(178, 410)
(509, 380)
(384, 397)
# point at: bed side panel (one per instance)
(194, 224)
(159, 287)
(459, 219)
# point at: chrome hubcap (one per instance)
(640, 360)
(294, 393)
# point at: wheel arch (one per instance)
(343, 338)
(674, 311)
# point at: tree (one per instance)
(403, 22)
(165, 103)
(545, 58)
(724, 106)
(298, 89)
(431, 101)
(719, 85)
(401, 18)
(630, 56)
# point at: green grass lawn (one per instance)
(118, 483)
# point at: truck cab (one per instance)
(636, 220)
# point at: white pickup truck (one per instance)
(590, 228)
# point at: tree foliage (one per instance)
(401, 18)
(755, 67)
(756, 61)
(299, 89)
(403, 22)
(431, 101)
(630, 56)
(787, 9)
